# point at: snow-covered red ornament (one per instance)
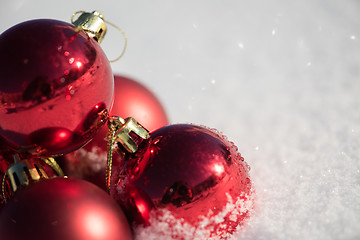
(181, 181)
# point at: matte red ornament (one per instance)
(63, 208)
(55, 85)
(131, 99)
(188, 178)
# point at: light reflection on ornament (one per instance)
(94, 223)
(63, 134)
(141, 207)
(78, 64)
(218, 169)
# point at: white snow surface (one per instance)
(280, 78)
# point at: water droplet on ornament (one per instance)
(156, 140)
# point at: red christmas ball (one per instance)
(6, 152)
(63, 208)
(55, 85)
(195, 180)
(4, 164)
(131, 99)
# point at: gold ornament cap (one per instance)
(92, 23)
(127, 131)
(23, 173)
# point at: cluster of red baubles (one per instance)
(56, 93)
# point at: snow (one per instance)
(164, 225)
(280, 78)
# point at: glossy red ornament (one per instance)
(63, 208)
(131, 99)
(185, 177)
(3, 166)
(6, 152)
(55, 85)
(6, 159)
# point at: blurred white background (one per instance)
(280, 78)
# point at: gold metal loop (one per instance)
(125, 41)
(94, 25)
(3, 188)
(74, 14)
(110, 143)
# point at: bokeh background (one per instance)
(280, 78)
